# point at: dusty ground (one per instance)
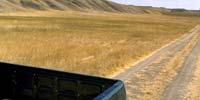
(193, 89)
(158, 76)
(176, 89)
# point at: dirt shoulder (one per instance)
(193, 89)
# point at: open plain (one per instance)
(97, 44)
(155, 51)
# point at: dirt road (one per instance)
(176, 89)
(164, 74)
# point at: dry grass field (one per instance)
(95, 44)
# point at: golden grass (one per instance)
(95, 44)
(193, 88)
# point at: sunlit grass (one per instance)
(88, 43)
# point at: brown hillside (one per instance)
(75, 5)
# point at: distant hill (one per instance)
(75, 5)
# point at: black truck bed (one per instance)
(20, 82)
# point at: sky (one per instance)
(187, 4)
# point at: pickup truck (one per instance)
(19, 82)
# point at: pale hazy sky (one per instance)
(187, 4)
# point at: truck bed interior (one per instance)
(30, 83)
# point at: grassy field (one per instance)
(95, 44)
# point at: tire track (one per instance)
(175, 91)
(146, 80)
(150, 59)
